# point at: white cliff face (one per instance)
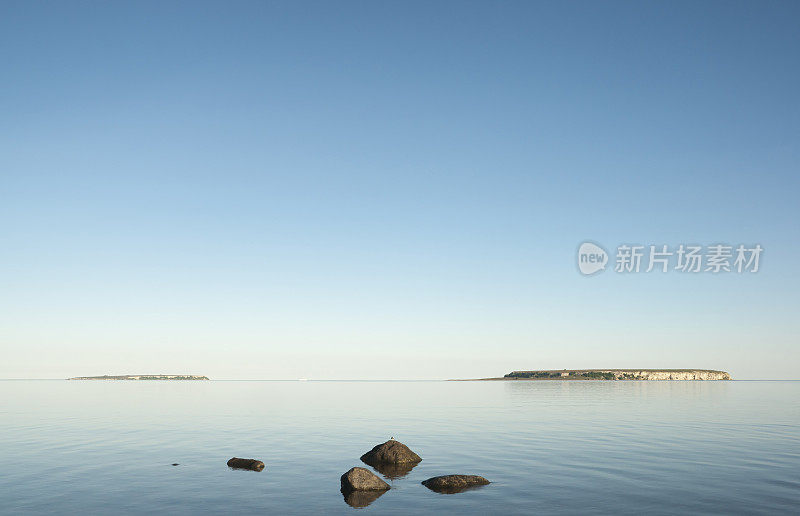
(622, 374)
(670, 375)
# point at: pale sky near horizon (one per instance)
(336, 190)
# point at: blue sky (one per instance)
(393, 189)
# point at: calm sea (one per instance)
(552, 447)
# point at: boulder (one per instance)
(454, 483)
(360, 479)
(390, 452)
(251, 464)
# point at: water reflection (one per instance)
(393, 471)
(451, 489)
(360, 499)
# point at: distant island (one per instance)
(142, 377)
(614, 374)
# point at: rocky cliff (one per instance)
(620, 374)
(698, 374)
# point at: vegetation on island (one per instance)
(143, 377)
(597, 375)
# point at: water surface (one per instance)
(561, 447)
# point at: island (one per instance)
(142, 377)
(613, 375)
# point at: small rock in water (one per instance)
(390, 452)
(251, 464)
(360, 479)
(450, 484)
(175, 464)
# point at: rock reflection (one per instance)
(361, 499)
(453, 490)
(394, 471)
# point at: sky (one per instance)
(393, 190)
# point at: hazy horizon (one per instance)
(196, 373)
(393, 190)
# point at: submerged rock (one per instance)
(454, 483)
(390, 452)
(360, 479)
(251, 464)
